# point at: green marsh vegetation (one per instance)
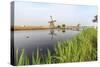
(80, 48)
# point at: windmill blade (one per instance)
(51, 18)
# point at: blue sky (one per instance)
(28, 13)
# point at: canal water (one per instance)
(30, 40)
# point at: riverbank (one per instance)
(31, 27)
(23, 27)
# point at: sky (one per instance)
(29, 13)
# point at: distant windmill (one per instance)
(78, 26)
(95, 19)
(52, 25)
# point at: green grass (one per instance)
(82, 47)
(36, 58)
(22, 59)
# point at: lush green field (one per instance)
(82, 47)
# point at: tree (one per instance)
(63, 25)
(58, 26)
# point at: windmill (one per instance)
(95, 19)
(52, 25)
(78, 27)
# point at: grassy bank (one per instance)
(82, 47)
